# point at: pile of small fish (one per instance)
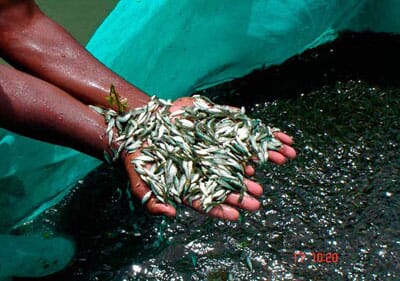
(196, 153)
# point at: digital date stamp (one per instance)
(316, 257)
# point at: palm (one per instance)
(228, 210)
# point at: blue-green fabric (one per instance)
(34, 172)
(33, 176)
(378, 16)
(33, 255)
(169, 48)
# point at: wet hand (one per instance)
(229, 209)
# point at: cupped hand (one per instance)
(229, 209)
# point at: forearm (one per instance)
(33, 42)
(37, 109)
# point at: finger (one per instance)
(253, 188)
(222, 211)
(249, 171)
(286, 139)
(248, 203)
(288, 151)
(157, 208)
(276, 157)
(273, 156)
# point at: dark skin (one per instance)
(46, 96)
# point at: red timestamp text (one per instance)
(317, 257)
(325, 257)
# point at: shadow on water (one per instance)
(340, 196)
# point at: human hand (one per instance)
(229, 209)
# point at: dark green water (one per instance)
(80, 18)
(341, 102)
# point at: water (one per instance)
(341, 196)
